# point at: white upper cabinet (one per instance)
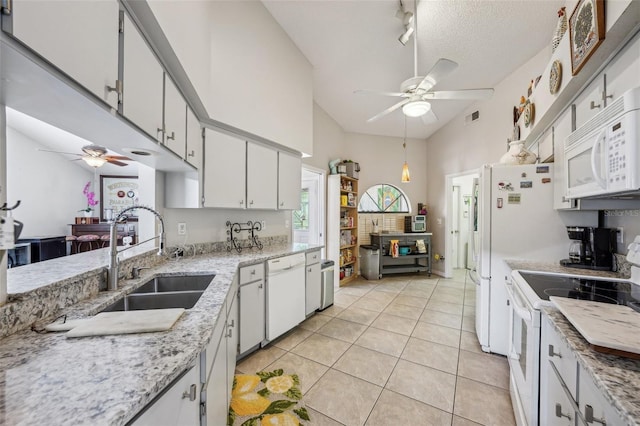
(80, 38)
(224, 171)
(142, 83)
(262, 177)
(175, 118)
(289, 181)
(590, 101)
(194, 140)
(623, 72)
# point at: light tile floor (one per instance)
(398, 351)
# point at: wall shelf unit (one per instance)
(342, 227)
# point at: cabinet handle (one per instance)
(241, 202)
(260, 286)
(281, 203)
(191, 394)
(593, 105)
(230, 332)
(253, 272)
(172, 136)
(233, 323)
(559, 412)
(116, 88)
(251, 202)
(191, 154)
(588, 414)
(552, 353)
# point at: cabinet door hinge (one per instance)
(5, 6)
(203, 409)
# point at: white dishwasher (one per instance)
(285, 294)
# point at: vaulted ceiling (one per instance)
(354, 45)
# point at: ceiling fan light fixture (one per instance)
(94, 161)
(416, 108)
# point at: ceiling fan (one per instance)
(96, 156)
(416, 92)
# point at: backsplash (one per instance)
(386, 222)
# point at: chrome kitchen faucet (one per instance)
(112, 273)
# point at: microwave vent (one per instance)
(614, 110)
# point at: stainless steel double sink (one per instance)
(162, 292)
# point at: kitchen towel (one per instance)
(267, 398)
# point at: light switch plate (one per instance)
(182, 228)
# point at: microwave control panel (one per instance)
(617, 155)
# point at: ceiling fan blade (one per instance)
(476, 94)
(117, 157)
(115, 162)
(375, 92)
(388, 110)
(429, 117)
(439, 70)
(60, 152)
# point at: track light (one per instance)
(404, 38)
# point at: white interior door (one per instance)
(455, 226)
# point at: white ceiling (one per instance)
(55, 139)
(354, 45)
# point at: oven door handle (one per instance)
(518, 308)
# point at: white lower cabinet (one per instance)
(252, 307)
(568, 394)
(313, 282)
(179, 404)
(219, 363)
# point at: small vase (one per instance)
(517, 154)
(88, 213)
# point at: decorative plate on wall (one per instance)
(555, 77)
(529, 112)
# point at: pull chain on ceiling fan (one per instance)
(416, 91)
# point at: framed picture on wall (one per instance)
(116, 194)
(586, 31)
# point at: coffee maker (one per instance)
(590, 248)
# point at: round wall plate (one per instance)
(529, 112)
(555, 76)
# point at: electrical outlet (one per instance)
(286, 223)
(264, 225)
(620, 236)
(182, 228)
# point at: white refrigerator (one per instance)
(515, 220)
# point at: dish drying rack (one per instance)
(235, 243)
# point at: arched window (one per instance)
(384, 198)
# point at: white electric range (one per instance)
(528, 292)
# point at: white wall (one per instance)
(208, 225)
(49, 186)
(458, 148)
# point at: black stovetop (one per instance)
(618, 292)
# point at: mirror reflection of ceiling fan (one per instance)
(96, 156)
(416, 92)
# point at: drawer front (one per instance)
(313, 257)
(558, 353)
(251, 273)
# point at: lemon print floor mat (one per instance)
(267, 398)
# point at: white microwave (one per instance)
(602, 158)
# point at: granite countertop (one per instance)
(618, 378)
(556, 268)
(49, 379)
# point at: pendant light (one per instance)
(405, 168)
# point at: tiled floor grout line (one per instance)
(454, 294)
